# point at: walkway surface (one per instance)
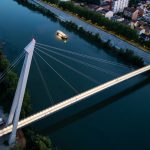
(104, 35)
(66, 103)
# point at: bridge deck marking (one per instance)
(72, 100)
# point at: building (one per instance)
(145, 37)
(142, 25)
(109, 14)
(147, 17)
(119, 5)
(92, 7)
(140, 30)
(117, 18)
(128, 12)
(133, 13)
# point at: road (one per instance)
(66, 103)
(104, 35)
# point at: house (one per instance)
(133, 13)
(147, 29)
(106, 5)
(128, 12)
(93, 7)
(117, 18)
(147, 17)
(140, 12)
(139, 30)
(109, 14)
(145, 37)
(139, 23)
(142, 25)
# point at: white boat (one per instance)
(62, 35)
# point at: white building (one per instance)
(119, 5)
(109, 14)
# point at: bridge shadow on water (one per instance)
(96, 107)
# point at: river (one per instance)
(115, 119)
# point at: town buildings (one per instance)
(137, 17)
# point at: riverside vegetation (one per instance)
(8, 86)
(97, 19)
(125, 55)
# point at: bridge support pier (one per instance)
(19, 95)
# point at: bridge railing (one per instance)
(72, 100)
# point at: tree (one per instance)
(37, 141)
(95, 17)
(3, 63)
(89, 1)
(133, 2)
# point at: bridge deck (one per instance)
(70, 101)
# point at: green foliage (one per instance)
(3, 62)
(95, 17)
(7, 91)
(8, 88)
(17, 147)
(53, 1)
(89, 1)
(125, 55)
(116, 27)
(37, 142)
(133, 2)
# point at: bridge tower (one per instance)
(19, 94)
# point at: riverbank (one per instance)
(86, 125)
(115, 41)
(125, 55)
(8, 84)
(129, 31)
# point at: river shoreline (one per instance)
(88, 27)
(111, 118)
(101, 28)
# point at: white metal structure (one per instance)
(71, 101)
(19, 95)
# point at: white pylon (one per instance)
(19, 95)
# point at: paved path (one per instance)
(104, 35)
(66, 103)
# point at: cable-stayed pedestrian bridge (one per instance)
(13, 120)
